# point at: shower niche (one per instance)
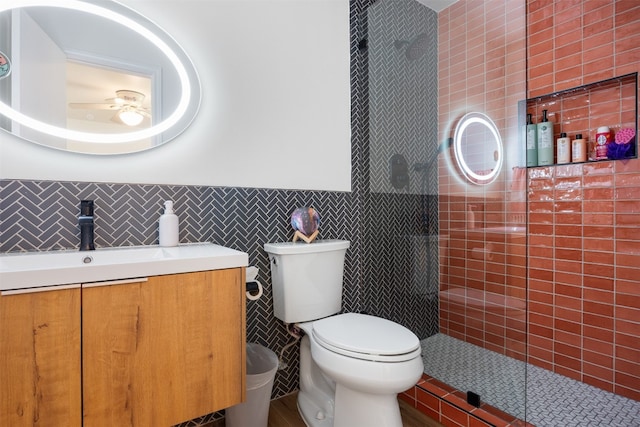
(583, 109)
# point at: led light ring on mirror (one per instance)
(471, 175)
(132, 25)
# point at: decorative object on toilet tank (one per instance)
(623, 144)
(305, 221)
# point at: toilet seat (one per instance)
(365, 337)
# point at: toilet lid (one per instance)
(366, 337)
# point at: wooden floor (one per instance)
(283, 412)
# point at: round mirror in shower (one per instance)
(477, 148)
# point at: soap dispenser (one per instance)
(168, 226)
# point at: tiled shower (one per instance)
(581, 290)
(541, 265)
(567, 289)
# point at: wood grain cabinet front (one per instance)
(145, 352)
(40, 359)
(163, 351)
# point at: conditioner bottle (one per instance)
(563, 149)
(545, 141)
(579, 149)
(532, 142)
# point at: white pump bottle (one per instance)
(168, 226)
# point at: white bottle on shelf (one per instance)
(168, 226)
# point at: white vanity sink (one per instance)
(37, 269)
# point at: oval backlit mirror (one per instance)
(477, 148)
(93, 77)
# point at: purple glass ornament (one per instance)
(305, 220)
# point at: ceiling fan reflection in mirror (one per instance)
(127, 104)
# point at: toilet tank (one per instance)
(306, 278)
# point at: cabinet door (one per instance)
(164, 351)
(40, 359)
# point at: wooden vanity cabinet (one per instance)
(145, 352)
(40, 359)
(163, 351)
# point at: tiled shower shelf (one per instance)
(582, 109)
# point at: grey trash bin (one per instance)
(262, 365)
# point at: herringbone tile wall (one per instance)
(43, 216)
(400, 281)
(391, 267)
(403, 92)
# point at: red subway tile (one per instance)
(429, 400)
(454, 414)
(627, 380)
(626, 392)
(597, 358)
(598, 382)
(477, 422)
(598, 339)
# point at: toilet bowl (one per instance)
(364, 374)
(352, 366)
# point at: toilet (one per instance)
(352, 366)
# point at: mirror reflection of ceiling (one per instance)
(80, 34)
(77, 31)
(92, 103)
(76, 59)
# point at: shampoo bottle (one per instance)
(579, 149)
(545, 141)
(563, 147)
(168, 226)
(532, 142)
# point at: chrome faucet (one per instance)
(85, 221)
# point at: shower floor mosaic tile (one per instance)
(551, 400)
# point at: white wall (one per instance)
(275, 109)
(31, 94)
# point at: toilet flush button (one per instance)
(320, 415)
